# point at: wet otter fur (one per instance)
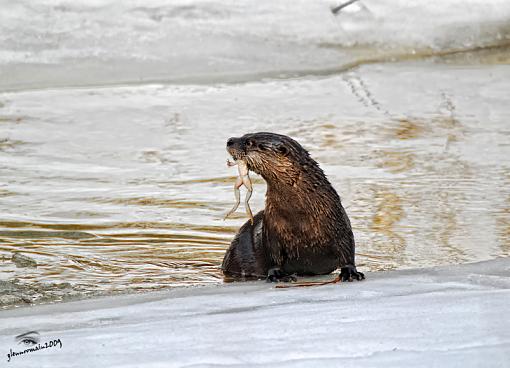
(303, 230)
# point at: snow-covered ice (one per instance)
(454, 316)
(84, 42)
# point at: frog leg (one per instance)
(237, 194)
(249, 188)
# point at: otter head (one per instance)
(277, 158)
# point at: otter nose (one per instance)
(230, 142)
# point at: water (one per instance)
(112, 156)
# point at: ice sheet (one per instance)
(450, 317)
(75, 43)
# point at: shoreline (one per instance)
(80, 302)
(418, 317)
(225, 77)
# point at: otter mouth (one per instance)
(239, 155)
(236, 154)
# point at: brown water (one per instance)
(124, 188)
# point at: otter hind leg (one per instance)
(246, 256)
(276, 274)
(349, 273)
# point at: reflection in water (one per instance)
(408, 129)
(448, 217)
(396, 161)
(502, 214)
(125, 188)
(388, 212)
(7, 144)
(503, 228)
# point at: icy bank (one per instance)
(77, 43)
(450, 317)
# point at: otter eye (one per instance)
(250, 143)
(283, 150)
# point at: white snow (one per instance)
(453, 316)
(83, 42)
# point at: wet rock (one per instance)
(16, 293)
(7, 287)
(8, 300)
(21, 260)
(27, 299)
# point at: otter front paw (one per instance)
(349, 273)
(275, 274)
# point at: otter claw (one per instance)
(276, 275)
(349, 273)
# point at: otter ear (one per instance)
(283, 150)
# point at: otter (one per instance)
(303, 230)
